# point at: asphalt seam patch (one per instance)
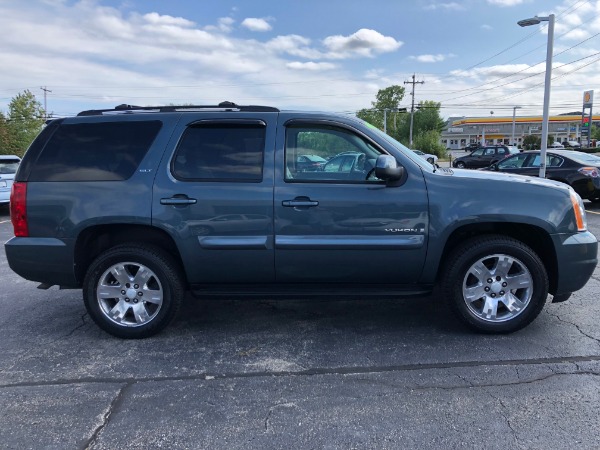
(311, 372)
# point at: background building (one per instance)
(461, 131)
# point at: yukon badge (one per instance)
(405, 230)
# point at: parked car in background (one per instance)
(484, 156)
(557, 145)
(579, 170)
(433, 159)
(472, 146)
(571, 144)
(308, 163)
(8, 167)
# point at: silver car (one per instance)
(427, 156)
(8, 168)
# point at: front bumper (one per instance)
(577, 257)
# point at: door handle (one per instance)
(299, 203)
(178, 201)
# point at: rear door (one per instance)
(344, 226)
(489, 155)
(213, 194)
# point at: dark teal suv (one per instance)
(136, 206)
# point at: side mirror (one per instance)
(386, 168)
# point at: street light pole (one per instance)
(512, 140)
(549, 49)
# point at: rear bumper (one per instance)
(45, 260)
(577, 257)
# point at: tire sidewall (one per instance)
(476, 250)
(148, 258)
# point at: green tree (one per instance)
(5, 138)
(595, 130)
(388, 98)
(428, 141)
(22, 124)
(531, 142)
(426, 118)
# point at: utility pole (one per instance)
(44, 88)
(412, 108)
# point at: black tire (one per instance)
(430, 160)
(113, 284)
(470, 272)
(460, 165)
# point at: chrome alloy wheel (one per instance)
(497, 288)
(129, 294)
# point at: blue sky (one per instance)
(312, 55)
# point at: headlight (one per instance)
(579, 211)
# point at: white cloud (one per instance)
(364, 42)
(486, 27)
(157, 19)
(92, 55)
(311, 66)
(453, 6)
(432, 58)
(256, 24)
(506, 3)
(224, 24)
(294, 45)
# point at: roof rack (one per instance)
(132, 109)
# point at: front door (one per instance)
(341, 224)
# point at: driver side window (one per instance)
(343, 156)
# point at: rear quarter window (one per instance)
(100, 151)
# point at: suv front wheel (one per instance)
(495, 284)
(133, 291)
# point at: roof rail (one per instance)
(131, 109)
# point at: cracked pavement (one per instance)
(296, 374)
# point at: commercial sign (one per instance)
(588, 99)
(455, 130)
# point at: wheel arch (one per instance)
(533, 236)
(94, 240)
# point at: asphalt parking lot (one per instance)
(259, 374)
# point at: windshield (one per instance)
(8, 166)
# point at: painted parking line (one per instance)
(592, 212)
(4, 221)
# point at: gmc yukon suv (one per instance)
(137, 205)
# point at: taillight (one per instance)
(592, 172)
(18, 209)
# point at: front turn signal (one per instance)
(579, 211)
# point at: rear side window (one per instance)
(221, 152)
(102, 151)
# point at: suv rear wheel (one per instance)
(495, 284)
(461, 165)
(133, 291)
